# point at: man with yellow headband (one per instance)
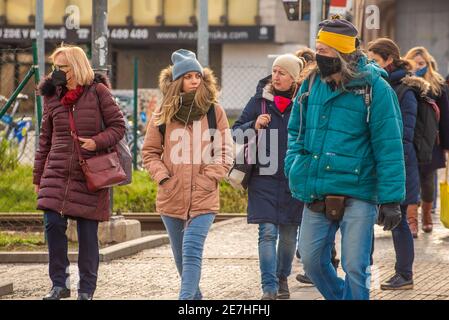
(344, 160)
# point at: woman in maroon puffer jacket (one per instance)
(58, 179)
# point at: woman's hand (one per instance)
(36, 188)
(88, 144)
(262, 121)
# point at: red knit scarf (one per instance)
(72, 96)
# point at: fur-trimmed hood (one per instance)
(166, 76)
(418, 84)
(47, 88)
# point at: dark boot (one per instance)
(397, 282)
(412, 219)
(426, 210)
(283, 292)
(85, 296)
(268, 296)
(57, 293)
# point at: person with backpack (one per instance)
(344, 158)
(437, 141)
(187, 151)
(73, 91)
(309, 56)
(409, 89)
(270, 204)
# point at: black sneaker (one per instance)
(283, 291)
(397, 282)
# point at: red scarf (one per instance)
(282, 103)
(72, 96)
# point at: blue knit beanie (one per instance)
(184, 61)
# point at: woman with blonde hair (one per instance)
(188, 192)
(73, 90)
(426, 68)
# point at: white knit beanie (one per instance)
(290, 63)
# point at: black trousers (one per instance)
(88, 257)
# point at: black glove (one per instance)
(389, 216)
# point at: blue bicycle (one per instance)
(15, 131)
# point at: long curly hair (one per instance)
(206, 94)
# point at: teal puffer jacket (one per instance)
(344, 147)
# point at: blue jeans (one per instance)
(187, 246)
(274, 263)
(404, 247)
(317, 237)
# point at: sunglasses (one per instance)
(57, 67)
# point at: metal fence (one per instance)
(238, 85)
(18, 126)
(17, 131)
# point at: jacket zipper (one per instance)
(70, 171)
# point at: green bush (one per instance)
(17, 190)
(140, 196)
(8, 155)
(17, 193)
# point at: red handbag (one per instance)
(101, 171)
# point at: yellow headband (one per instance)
(340, 42)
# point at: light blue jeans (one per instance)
(187, 246)
(276, 263)
(317, 236)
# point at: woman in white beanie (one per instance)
(270, 204)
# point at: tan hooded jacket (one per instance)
(192, 188)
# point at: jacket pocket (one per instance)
(168, 186)
(205, 183)
(298, 173)
(343, 164)
(169, 196)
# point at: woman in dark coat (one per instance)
(386, 53)
(57, 176)
(426, 68)
(270, 203)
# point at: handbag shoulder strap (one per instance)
(74, 135)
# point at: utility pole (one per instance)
(316, 13)
(100, 35)
(40, 44)
(203, 34)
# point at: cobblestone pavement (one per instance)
(231, 271)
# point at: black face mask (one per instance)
(59, 78)
(328, 65)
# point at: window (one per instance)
(18, 11)
(145, 12)
(216, 9)
(242, 13)
(178, 12)
(54, 11)
(118, 11)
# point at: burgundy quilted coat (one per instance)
(56, 167)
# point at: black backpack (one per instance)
(427, 124)
(211, 120)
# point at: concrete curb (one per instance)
(6, 288)
(110, 253)
(116, 251)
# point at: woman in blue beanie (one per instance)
(188, 193)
